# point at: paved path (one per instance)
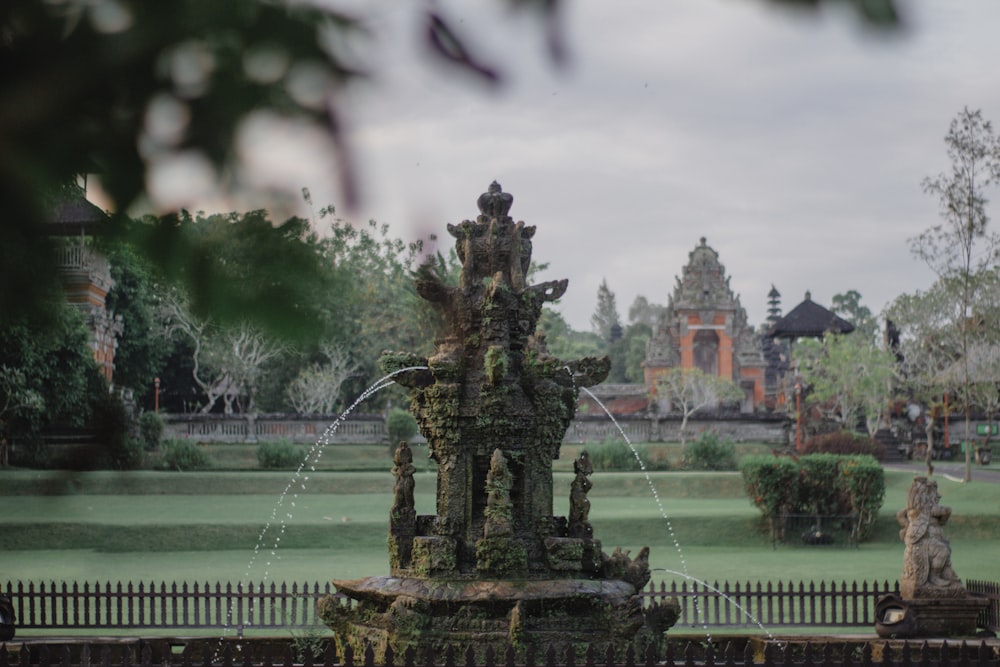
(952, 470)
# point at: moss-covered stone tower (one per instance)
(494, 565)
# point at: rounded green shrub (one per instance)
(281, 455)
(709, 452)
(116, 428)
(400, 425)
(151, 426)
(183, 455)
(614, 454)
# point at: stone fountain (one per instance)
(933, 602)
(494, 566)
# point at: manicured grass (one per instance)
(149, 526)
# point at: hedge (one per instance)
(821, 484)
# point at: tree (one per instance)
(143, 346)
(564, 342)
(691, 389)
(316, 390)
(848, 305)
(928, 344)
(643, 312)
(377, 307)
(605, 320)
(228, 361)
(634, 342)
(643, 318)
(962, 246)
(852, 374)
(47, 378)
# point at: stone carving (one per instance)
(403, 472)
(493, 564)
(579, 505)
(932, 601)
(927, 570)
(498, 511)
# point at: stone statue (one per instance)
(927, 570)
(403, 472)
(498, 510)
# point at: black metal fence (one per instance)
(75, 605)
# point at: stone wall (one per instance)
(370, 429)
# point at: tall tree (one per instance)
(143, 345)
(962, 246)
(605, 320)
(928, 344)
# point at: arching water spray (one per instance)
(750, 617)
(656, 498)
(296, 484)
(673, 536)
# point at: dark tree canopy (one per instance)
(117, 86)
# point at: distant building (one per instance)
(85, 274)
(808, 320)
(705, 326)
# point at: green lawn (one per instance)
(149, 526)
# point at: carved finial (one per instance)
(495, 203)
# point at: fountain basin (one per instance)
(407, 612)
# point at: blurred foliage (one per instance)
(122, 87)
(81, 83)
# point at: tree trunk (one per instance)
(929, 456)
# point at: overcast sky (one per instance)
(795, 142)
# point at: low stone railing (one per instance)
(370, 428)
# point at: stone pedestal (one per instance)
(418, 613)
(896, 617)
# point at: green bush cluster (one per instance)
(845, 443)
(821, 484)
(151, 426)
(400, 425)
(280, 455)
(709, 452)
(617, 455)
(182, 455)
(117, 428)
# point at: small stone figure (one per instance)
(579, 504)
(927, 570)
(498, 509)
(402, 501)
